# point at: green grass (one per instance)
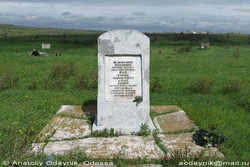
(227, 112)
(7, 30)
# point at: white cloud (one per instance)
(157, 15)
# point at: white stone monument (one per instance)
(46, 46)
(204, 45)
(123, 74)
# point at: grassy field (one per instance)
(211, 85)
(13, 31)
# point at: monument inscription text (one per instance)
(122, 77)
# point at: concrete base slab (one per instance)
(125, 129)
(177, 121)
(71, 111)
(70, 123)
(183, 143)
(60, 128)
(127, 147)
(77, 111)
(165, 109)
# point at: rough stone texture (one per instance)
(183, 142)
(165, 109)
(177, 121)
(127, 147)
(75, 111)
(120, 113)
(61, 127)
(66, 125)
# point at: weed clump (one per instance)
(63, 71)
(232, 86)
(156, 85)
(56, 83)
(87, 81)
(138, 100)
(200, 85)
(144, 130)
(106, 133)
(236, 53)
(242, 100)
(245, 103)
(82, 82)
(33, 85)
(185, 49)
(58, 75)
(8, 81)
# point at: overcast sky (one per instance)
(142, 15)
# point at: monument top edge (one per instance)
(125, 31)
